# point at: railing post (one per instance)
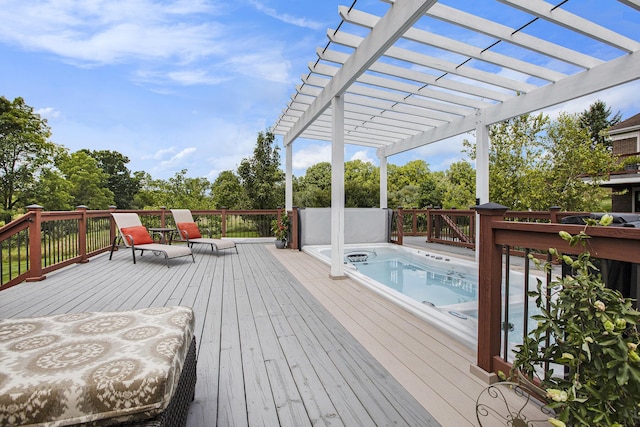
(553, 214)
(414, 223)
(82, 234)
(429, 225)
(279, 214)
(400, 225)
(163, 216)
(489, 286)
(472, 228)
(35, 245)
(223, 225)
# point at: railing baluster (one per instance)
(505, 324)
(527, 261)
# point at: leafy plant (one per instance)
(280, 230)
(592, 334)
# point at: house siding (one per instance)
(625, 146)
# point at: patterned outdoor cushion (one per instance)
(95, 368)
(138, 233)
(191, 228)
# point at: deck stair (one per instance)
(456, 230)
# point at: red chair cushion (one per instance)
(191, 228)
(138, 233)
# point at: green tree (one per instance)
(191, 193)
(414, 185)
(514, 155)
(596, 120)
(432, 190)
(120, 181)
(179, 191)
(536, 163)
(361, 184)
(25, 150)
(260, 175)
(53, 191)
(87, 180)
(460, 184)
(313, 190)
(569, 154)
(150, 194)
(227, 191)
(513, 159)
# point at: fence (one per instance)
(41, 242)
(457, 227)
(499, 236)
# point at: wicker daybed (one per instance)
(97, 369)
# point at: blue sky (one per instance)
(188, 84)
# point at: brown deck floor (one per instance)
(269, 352)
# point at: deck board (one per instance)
(279, 343)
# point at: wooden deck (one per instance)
(269, 352)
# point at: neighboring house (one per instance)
(625, 137)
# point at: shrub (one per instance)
(593, 339)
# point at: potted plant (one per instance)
(589, 334)
(281, 231)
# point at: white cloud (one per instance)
(286, 18)
(179, 157)
(159, 154)
(266, 64)
(194, 77)
(174, 42)
(310, 155)
(48, 112)
(105, 32)
(440, 155)
(363, 155)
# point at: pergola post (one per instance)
(383, 179)
(288, 186)
(337, 188)
(482, 158)
(482, 165)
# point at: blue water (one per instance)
(429, 285)
(448, 285)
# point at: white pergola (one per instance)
(400, 81)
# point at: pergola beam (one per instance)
(445, 43)
(575, 23)
(610, 74)
(398, 19)
(510, 35)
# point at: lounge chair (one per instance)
(190, 233)
(134, 235)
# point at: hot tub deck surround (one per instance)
(280, 343)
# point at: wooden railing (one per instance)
(40, 242)
(497, 236)
(457, 227)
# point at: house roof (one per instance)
(631, 122)
(426, 70)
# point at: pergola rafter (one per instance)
(426, 95)
(403, 80)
